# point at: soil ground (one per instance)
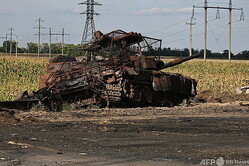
(179, 136)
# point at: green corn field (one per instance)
(20, 74)
(221, 78)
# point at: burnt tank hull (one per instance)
(119, 69)
(106, 84)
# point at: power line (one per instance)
(62, 39)
(168, 26)
(217, 39)
(179, 43)
(39, 33)
(175, 33)
(184, 30)
(11, 37)
(16, 45)
(242, 38)
(194, 35)
(199, 34)
(191, 23)
(230, 8)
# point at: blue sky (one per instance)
(164, 19)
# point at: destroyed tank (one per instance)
(119, 69)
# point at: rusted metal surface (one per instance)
(120, 68)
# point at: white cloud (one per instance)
(184, 10)
(157, 11)
(153, 11)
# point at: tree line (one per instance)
(56, 48)
(71, 49)
(244, 55)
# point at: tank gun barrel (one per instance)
(179, 61)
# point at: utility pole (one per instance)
(230, 30)
(39, 33)
(50, 40)
(63, 38)
(56, 34)
(6, 49)
(230, 8)
(205, 30)
(89, 29)
(191, 33)
(16, 45)
(11, 35)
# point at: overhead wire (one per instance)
(175, 33)
(217, 39)
(219, 3)
(181, 40)
(184, 30)
(168, 26)
(201, 33)
(241, 38)
(198, 34)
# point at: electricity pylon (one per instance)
(89, 30)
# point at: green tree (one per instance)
(56, 48)
(225, 53)
(45, 48)
(32, 47)
(209, 53)
(7, 44)
(2, 50)
(74, 50)
(22, 50)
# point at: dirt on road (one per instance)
(183, 135)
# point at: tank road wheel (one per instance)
(127, 88)
(148, 94)
(137, 97)
(177, 99)
(159, 98)
(167, 100)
